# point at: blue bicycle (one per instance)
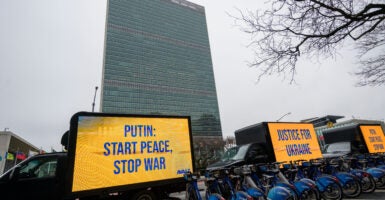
(305, 188)
(192, 190)
(351, 185)
(328, 186)
(299, 188)
(369, 165)
(367, 180)
(228, 178)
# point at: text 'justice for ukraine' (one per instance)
(296, 148)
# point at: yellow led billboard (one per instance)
(115, 151)
(374, 138)
(294, 141)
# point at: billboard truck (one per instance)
(354, 139)
(288, 141)
(110, 156)
(272, 142)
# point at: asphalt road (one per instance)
(378, 194)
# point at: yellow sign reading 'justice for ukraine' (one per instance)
(374, 138)
(294, 141)
(113, 151)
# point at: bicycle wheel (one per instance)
(312, 193)
(190, 193)
(368, 184)
(144, 195)
(225, 190)
(352, 189)
(380, 183)
(333, 192)
(294, 195)
(192, 196)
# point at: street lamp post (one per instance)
(284, 116)
(93, 103)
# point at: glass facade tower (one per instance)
(157, 60)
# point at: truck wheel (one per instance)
(144, 195)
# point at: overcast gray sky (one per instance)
(51, 58)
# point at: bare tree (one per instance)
(317, 28)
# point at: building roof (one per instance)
(322, 121)
(18, 138)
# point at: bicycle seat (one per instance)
(191, 176)
(316, 164)
(335, 165)
(242, 171)
(362, 161)
(287, 166)
(291, 170)
(267, 177)
(273, 171)
(305, 164)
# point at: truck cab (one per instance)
(336, 149)
(240, 155)
(41, 176)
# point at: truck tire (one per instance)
(144, 195)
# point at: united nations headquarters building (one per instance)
(157, 60)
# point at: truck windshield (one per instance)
(235, 153)
(338, 147)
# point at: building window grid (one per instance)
(162, 88)
(139, 36)
(197, 75)
(172, 32)
(188, 36)
(194, 84)
(189, 55)
(186, 19)
(184, 103)
(151, 56)
(130, 94)
(123, 44)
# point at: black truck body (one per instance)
(97, 167)
(273, 141)
(353, 139)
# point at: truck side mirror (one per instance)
(64, 139)
(14, 174)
